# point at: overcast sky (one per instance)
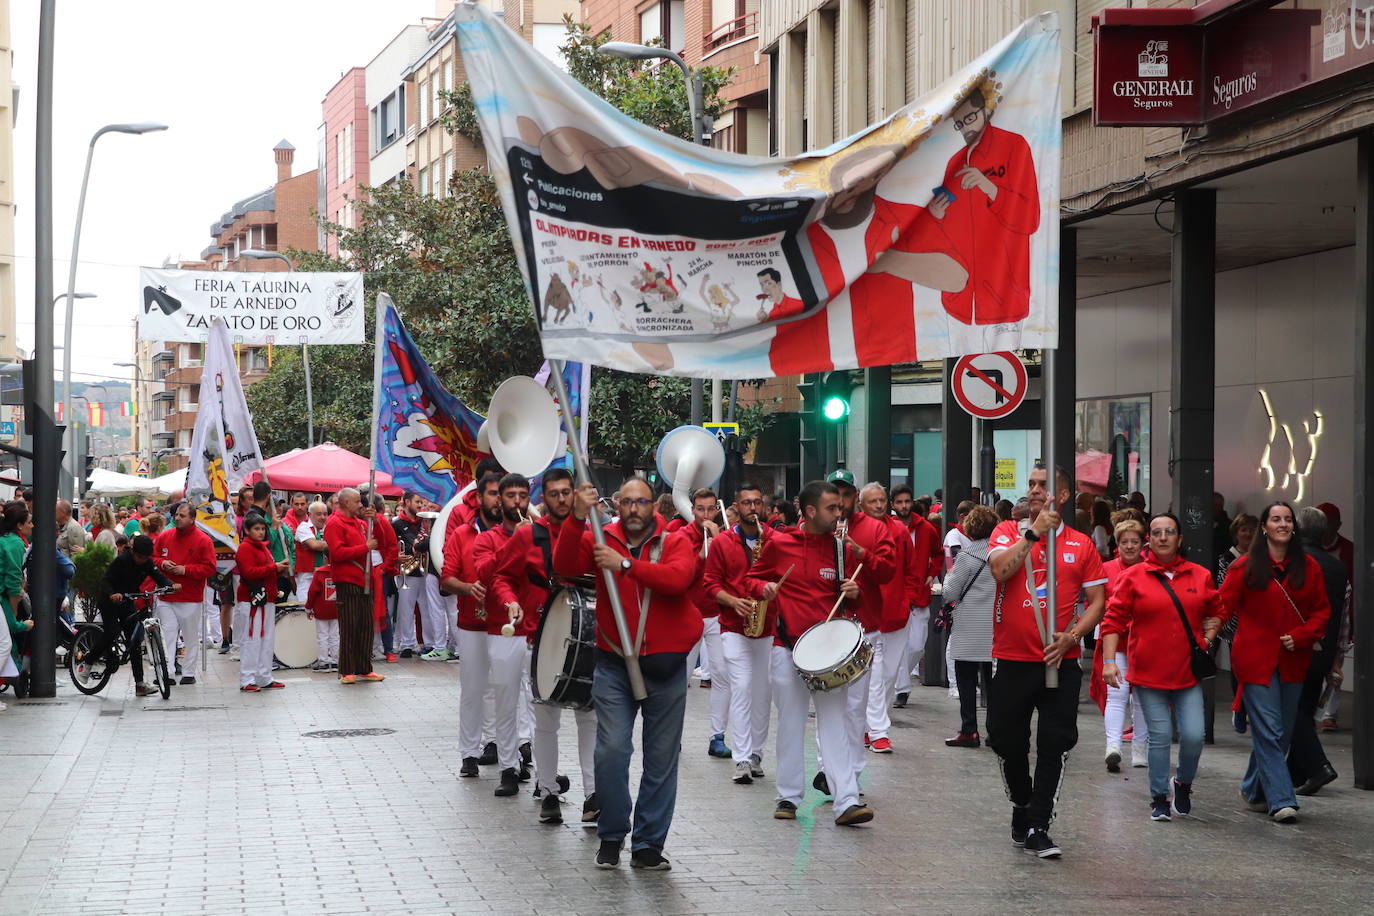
(230, 80)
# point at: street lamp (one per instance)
(148, 439)
(67, 377)
(141, 127)
(263, 255)
(701, 133)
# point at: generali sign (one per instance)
(1156, 67)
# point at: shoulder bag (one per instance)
(944, 618)
(1200, 660)
(1317, 645)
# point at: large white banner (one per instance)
(257, 308)
(933, 233)
(224, 447)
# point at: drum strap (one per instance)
(540, 535)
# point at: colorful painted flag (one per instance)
(577, 378)
(126, 409)
(95, 413)
(426, 438)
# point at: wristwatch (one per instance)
(1030, 535)
(625, 564)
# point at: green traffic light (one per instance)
(835, 408)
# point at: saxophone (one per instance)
(753, 625)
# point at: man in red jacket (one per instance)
(186, 555)
(508, 656)
(807, 556)
(1022, 652)
(928, 562)
(746, 659)
(522, 585)
(889, 643)
(652, 572)
(459, 577)
(701, 533)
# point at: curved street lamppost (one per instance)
(141, 127)
(67, 374)
(261, 254)
(701, 134)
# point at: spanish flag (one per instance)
(95, 414)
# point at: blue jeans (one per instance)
(1273, 712)
(1186, 707)
(661, 738)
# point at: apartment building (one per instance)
(8, 344)
(388, 95)
(344, 158)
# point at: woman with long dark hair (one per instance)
(1277, 594)
(1168, 605)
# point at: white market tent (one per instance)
(111, 484)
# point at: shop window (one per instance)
(1112, 445)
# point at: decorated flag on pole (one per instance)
(224, 448)
(57, 412)
(95, 413)
(126, 409)
(577, 378)
(426, 438)
(932, 233)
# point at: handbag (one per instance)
(944, 618)
(1200, 660)
(1317, 645)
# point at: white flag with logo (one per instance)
(224, 448)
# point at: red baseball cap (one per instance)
(1333, 515)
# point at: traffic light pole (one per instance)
(39, 401)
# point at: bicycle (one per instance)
(90, 675)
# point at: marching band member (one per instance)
(411, 595)
(459, 576)
(747, 659)
(1020, 656)
(803, 600)
(187, 556)
(927, 554)
(653, 572)
(702, 534)
(872, 546)
(444, 604)
(311, 555)
(522, 585)
(889, 644)
(508, 656)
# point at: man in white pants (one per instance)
(927, 556)
(889, 643)
(747, 659)
(702, 533)
(411, 594)
(186, 555)
(804, 598)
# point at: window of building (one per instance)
(424, 180)
(389, 119)
(1112, 441)
(664, 20)
(424, 103)
(435, 104)
(448, 170)
(344, 153)
(254, 359)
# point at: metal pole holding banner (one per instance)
(1049, 610)
(378, 335)
(622, 629)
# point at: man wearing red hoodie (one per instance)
(889, 643)
(652, 571)
(810, 557)
(186, 555)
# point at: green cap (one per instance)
(841, 476)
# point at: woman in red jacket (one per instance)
(1277, 593)
(1150, 601)
(257, 592)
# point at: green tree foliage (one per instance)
(449, 265)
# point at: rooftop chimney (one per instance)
(285, 154)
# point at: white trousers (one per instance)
(181, 617)
(709, 646)
(410, 599)
(547, 719)
(856, 716)
(327, 640)
(889, 654)
(748, 663)
(509, 659)
(916, 631)
(255, 646)
(794, 701)
(439, 616)
(473, 676)
(214, 634)
(1119, 703)
(303, 580)
(239, 620)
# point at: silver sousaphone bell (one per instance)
(689, 458)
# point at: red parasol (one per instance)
(322, 469)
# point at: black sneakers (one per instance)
(901, 701)
(1159, 808)
(188, 680)
(649, 860)
(1183, 798)
(855, 815)
(1039, 844)
(821, 784)
(785, 811)
(510, 783)
(1019, 825)
(488, 754)
(469, 767)
(608, 856)
(550, 810)
(526, 754)
(591, 810)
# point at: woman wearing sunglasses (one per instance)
(1170, 606)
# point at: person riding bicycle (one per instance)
(124, 579)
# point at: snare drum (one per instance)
(832, 653)
(564, 650)
(294, 645)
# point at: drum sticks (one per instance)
(840, 600)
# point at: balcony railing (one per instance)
(726, 32)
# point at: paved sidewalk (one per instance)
(217, 802)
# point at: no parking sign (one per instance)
(990, 386)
